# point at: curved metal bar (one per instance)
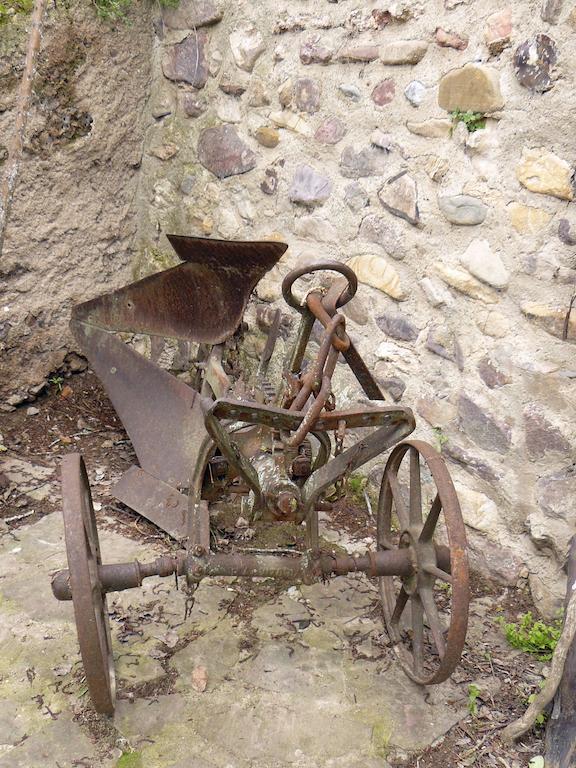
(326, 266)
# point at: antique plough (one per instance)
(272, 452)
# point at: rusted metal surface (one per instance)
(199, 563)
(417, 535)
(161, 414)
(201, 300)
(90, 610)
(155, 500)
(266, 445)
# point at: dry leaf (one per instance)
(199, 679)
(67, 391)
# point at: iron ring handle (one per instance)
(328, 266)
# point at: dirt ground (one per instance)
(74, 414)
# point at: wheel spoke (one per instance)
(438, 572)
(401, 602)
(415, 488)
(433, 620)
(432, 520)
(401, 512)
(417, 635)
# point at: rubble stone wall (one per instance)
(430, 145)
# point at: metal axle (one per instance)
(297, 567)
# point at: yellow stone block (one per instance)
(527, 219)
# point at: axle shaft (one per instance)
(121, 576)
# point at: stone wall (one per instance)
(330, 126)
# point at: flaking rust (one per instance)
(276, 453)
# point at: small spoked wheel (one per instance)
(90, 610)
(415, 607)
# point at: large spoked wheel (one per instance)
(415, 607)
(90, 610)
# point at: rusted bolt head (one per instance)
(287, 503)
(199, 551)
(197, 570)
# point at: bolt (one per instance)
(197, 570)
(286, 503)
(199, 551)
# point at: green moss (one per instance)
(130, 760)
(151, 259)
(10, 8)
(381, 733)
(112, 10)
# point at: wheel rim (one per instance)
(90, 609)
(417, 535)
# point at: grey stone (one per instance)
(469, 462)
(534, 61)
(351, 91)
(247, 46)
(356, 311)
(191, 14)
(397, 326)
(442, 341)
(382, 140)
(309, 187)
(316, 228)
(435, 292)
(223, 152)
(541, 436)
(192, 105)
(463, 209)
(307, 94)
(551, 10)
(494, 563)
(415, 92)
(565, 232)
(552, 525)
(161, 109)
(492, 374)
(557, 494)
(234, 83)
(485, 265)
(482, 428)
(394, 386)
(186, 62)
(384, 92)
(270, 182)
(400, 197)
(313, 51)
(369, 161)
(355, 196)
(377, 229)
(331, 131)
(188, 183)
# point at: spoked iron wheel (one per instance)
(90, 610)
(426, 650)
